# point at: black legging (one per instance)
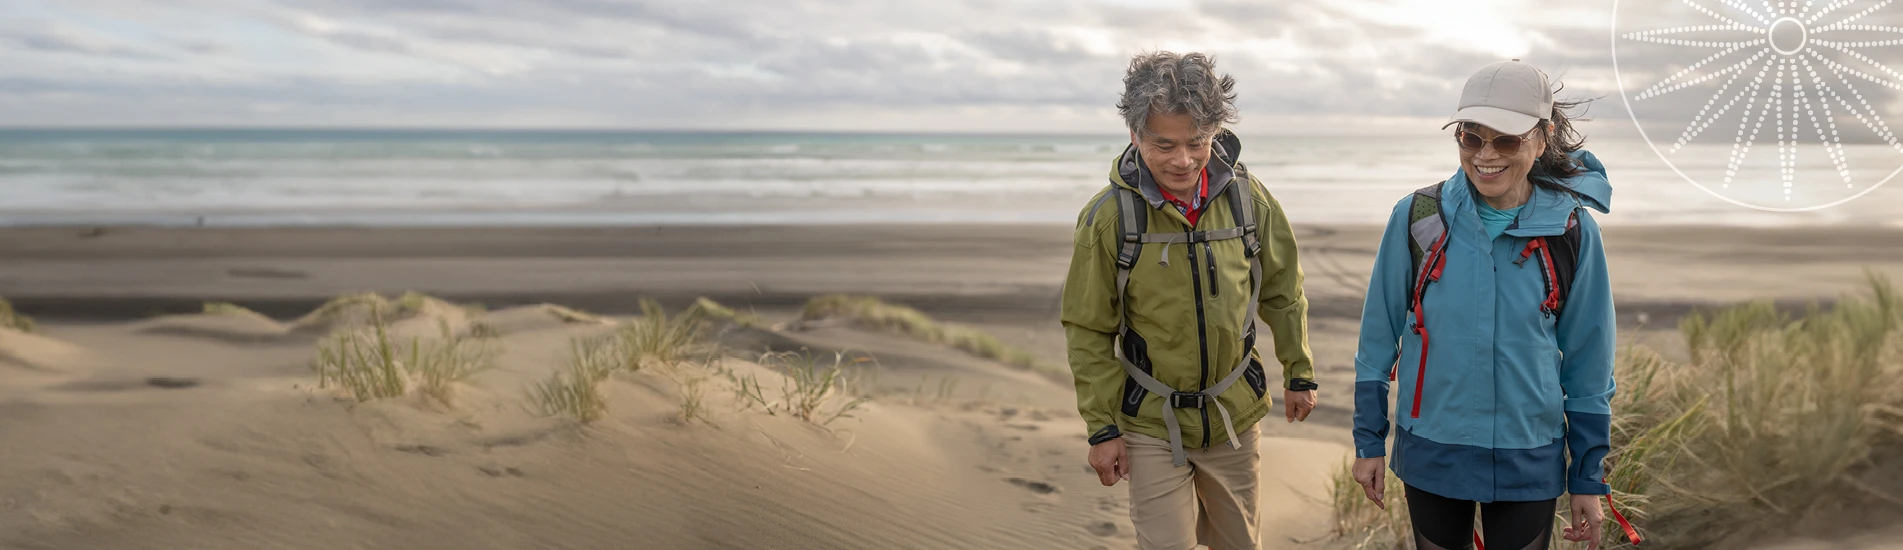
(1442, 523)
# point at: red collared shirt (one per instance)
(1190, 210)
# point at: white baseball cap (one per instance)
(1510, 97)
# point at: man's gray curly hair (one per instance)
(1165, 82)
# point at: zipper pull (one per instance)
(1210, 255)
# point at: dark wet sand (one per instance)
(983, 272)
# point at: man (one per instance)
(1172, 263)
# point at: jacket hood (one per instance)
(1225, 152)
(1548, 210)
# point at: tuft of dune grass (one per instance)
(369, 364)
(14, 319)
(348, 309)
(1357, 519)
(655, 339)
(811, 385)
(1772, 417)
(363, 362)
(710, 309)
(658, 339)
(575, 391)
(875, 314)
(571, 315)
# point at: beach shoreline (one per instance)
(121, 272)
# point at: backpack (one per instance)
(1558, 260)
(1133, 224)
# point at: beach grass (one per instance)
(368, 363)
(572, 315)
(575, 391)
(340, 305)
(1360, 522)
(709, 309)
(1772, 417)
(439, 365)
(657, 339)
(9, 318)
(872, 313)
(364, 362)
(812, 383)
(483, 330)
(692, 387)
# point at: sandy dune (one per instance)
(132, 420)
(252, 456)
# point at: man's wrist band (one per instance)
(1301, 384)
(1107, 433)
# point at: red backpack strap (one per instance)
(1549, 272)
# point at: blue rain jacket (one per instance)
(1508, 388)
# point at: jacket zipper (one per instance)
(1202, 329)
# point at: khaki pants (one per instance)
(1211, 501)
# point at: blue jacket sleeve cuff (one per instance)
(1587, 487)
(1371, 418)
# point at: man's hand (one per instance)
(1586, 517)
(1109, 460)
(1298, 404)
(1373, 481)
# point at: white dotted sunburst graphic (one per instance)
(1777, 105)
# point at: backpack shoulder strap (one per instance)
(1243, 209)
(1133, 219)
(1424, 226)
(1565, 252)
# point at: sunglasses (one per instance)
(1505, 145)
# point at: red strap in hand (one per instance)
(1630, 533)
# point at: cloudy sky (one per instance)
(943, 65)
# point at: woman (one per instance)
(1502, 340)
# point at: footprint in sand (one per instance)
(499, 472)
(425, 450)
(1038, 487)
(171, 382)
(1102, 529)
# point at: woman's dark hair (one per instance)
(1561, 141)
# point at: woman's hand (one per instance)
(1368, 472)
(1586, 517)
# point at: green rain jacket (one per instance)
(1188, 320)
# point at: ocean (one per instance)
(406, 177)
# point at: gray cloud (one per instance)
(848, 63)
(370, 42)
(62, 39)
